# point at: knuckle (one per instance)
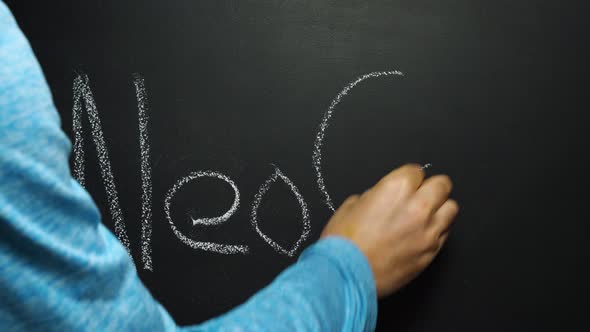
(433, 242)
(453, 207)
(401, 178)
(445, 182)
(449, 182)
(422, 245)
(419, 209)
(429, 243)
(405, 182)
(439, 186)
(392, 184)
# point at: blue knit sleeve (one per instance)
(330, 288)
(62, 270)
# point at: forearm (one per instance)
(330, 288)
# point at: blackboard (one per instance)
(493, 93)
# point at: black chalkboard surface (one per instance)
(199, 103)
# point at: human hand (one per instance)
(400, 224)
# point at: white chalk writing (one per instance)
(319, 141)
(207, 246)
(146, 173)
(82, 92)
(277, 174)
(84, 101)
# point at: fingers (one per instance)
(404, 180)
(433, 193)
(442, 240)
(444, 217)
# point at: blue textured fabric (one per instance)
(62, 270)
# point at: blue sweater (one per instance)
(62, 270)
